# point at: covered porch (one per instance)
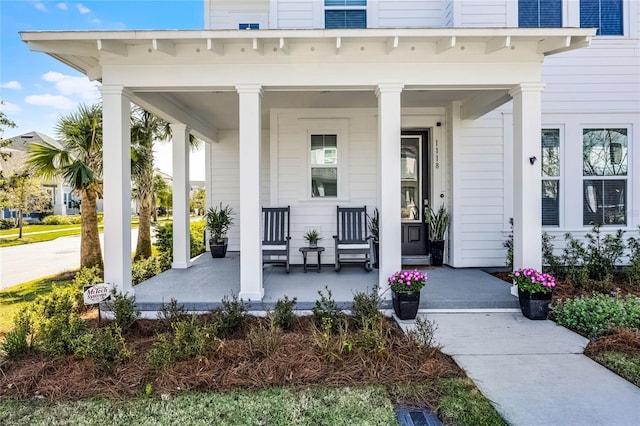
(208, 281)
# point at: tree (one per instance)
(79, 162)
(4, 122)
(162, 195)
(21, 192)
(145, 128)
(197, 201)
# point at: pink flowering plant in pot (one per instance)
(533, 281)
(407, 281)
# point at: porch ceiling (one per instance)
(220, 108)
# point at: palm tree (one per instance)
(145, 129)
(78, 160)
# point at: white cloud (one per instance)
(83, 9)
(13, 84)
(62, 6)
(40, 6)
(49, 100)
(95, 21)
(10, 108)
(69, 85)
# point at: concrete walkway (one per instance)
(534, 372)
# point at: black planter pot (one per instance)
(437, 252)
(218, 250)
(406, 305)
(376, 253)
(534, 306)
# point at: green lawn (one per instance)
(626, 365)
(14, 298)
(460, 403)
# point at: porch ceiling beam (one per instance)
(258, 46)
(392, 43)
(113, 46)
(445, 44)
(173, 112)
(483, 103)
(62, 49)
(283, 46)
(94, 73)
(165, 46)
(498, 43)
(568, 43)
(215, 46)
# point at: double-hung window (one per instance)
(345, 13)
(605, 15)
(550, 177)
(540, 13)
(324, 165)
(604, 170)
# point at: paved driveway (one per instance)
(19, 264)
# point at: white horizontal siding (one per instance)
(227, 14)
(409, 13)
(360, 172)
(602, 78)
(294, 14)
(483, 13)
(478, 175)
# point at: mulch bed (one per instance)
(295, 362)
(620, 340)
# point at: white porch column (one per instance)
(527, 192)
(250, 251)
(117, 186)
(59, 207)
(181, 234)
(389, 132)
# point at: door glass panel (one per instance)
(410, 185)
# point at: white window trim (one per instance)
(328, 126)
(560, 177)
(629, 177)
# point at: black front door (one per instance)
(413, 187)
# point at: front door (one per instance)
(414, 194)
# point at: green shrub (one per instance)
(7, 223)
(85, 277)
(124, 310)
(372, 336)
(365, 308)
(189, 338)
(18, 340)
(283, 312)
(602, 253)
(594, 315)
(263, 338)
(553, 264)
(164, 238)
(326, 308)
(633, 272)
(423, 335)
(573, 257)
(229, 316)
(170, 313)
(105, 346)
(56, 219)
(144, 269)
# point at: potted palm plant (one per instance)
(218, 222)
(438, 222)
(312, 237)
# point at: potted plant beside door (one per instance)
(405, 289)
(218, 222)
(535, 290)
(375, 233)
(438, 222)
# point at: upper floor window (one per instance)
(248, 26)
(540, 13)
(605, 15)
(604, 167)
(345, 13)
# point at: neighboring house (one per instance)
(63, 201)
(499, 109)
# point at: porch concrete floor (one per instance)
(203, 286)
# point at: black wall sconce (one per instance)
(532, 160)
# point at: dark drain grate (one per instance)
(416, 417)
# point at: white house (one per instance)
(383, 103)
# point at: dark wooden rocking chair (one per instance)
(275, 236)
(352, 241)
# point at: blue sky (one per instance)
(37, 89)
